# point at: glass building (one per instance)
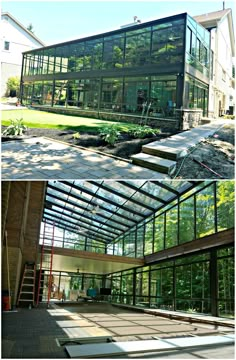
(181, 230)
(149, 70)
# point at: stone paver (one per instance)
(42, 158)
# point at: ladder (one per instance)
(45, 280)
(27, 288)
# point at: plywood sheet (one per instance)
(136, 318)
(114, 323)
(96, 331)
(59, 312)
(134, 314)
(153, 322)
(75, 332)
(74, 323)
(91, 315)
(132, 330)
(104, 318)
(173, 328)
(120, 348)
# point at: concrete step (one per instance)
(162, 151)
(154, 162)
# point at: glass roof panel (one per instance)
(108, 208)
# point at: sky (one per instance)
(57, 21)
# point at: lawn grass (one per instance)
(45, 120)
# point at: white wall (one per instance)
(20, 41)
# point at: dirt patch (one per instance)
(216, 152)
(125, 146)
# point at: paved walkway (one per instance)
(42, 158)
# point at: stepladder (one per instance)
(26, 295)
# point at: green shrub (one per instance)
(76, 136)
(16, 128)
(110, 134)
(141, 132)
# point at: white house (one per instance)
(15, 39)
(222, 83)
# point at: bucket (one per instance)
(6, 303)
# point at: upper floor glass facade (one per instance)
(124, 69)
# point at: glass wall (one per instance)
(67, 284)
(154, 96)
(196, 94)
(160, 43)
(183, 284)
(208, 210)
(197, 47)
(97, 67)
(205, 210)
(225, 280)
(70, 239)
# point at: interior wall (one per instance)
(22, 211)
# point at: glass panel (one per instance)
(142, 289)
(205, 212)
(135, 95)
(137, 49)
(171, 227)
(148, 238)
(225, 205)
(112, 94)
(226, 286)
(127, 289)
(186, 220)
(140, 241)
(159, 233)
(129, 244)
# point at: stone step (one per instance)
(162, 151)
(154, 162)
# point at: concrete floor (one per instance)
(32, 333)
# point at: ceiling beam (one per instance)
(51, 222)
(128, 198)
(103, 236)
(82, 215)
(166, 187)
(154, 197)
(109, 201)
(81, 222)
(89, 202)
(84, 208)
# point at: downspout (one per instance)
(21, 79)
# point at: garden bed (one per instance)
(125, 146)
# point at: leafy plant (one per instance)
(141, 132)
(110, 134)
(76, 136)
(16, 128)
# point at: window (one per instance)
(189, 40)
(6, 45)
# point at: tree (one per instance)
(13, 86)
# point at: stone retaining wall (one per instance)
(185, 118)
